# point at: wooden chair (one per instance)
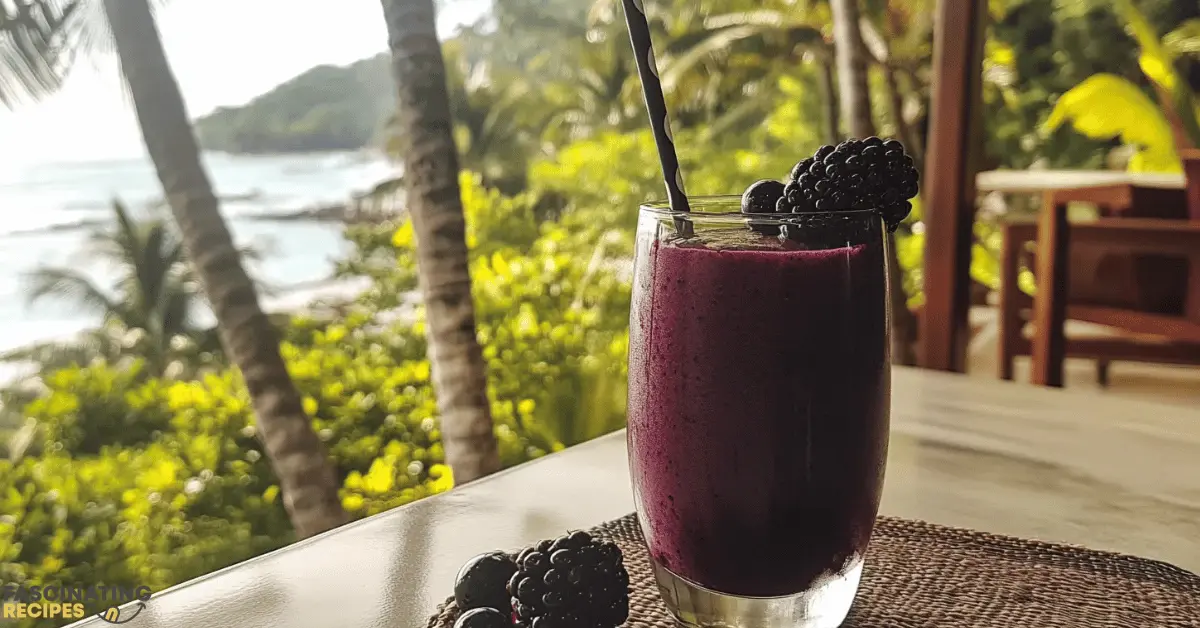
(1141, 287)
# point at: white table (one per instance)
(1037, 181)
(1055, 465)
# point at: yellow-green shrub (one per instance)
(150, 481)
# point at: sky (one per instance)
(217, 61)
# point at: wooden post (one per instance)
(949, 187)
(1050, 306)
(1011, 323)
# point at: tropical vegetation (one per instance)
(1155, 129)
(149, 476)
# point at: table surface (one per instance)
(1033, 181)
(1054, 465)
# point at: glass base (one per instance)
(825, 605)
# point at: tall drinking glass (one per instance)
(759, 393)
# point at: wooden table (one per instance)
(950, 210)
(1128, 195)
(1054, 465)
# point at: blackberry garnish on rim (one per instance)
(764, 197)
(870, 174)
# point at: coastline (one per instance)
(290, 207)
(299, 298)
(336, 213)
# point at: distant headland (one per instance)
(326, 108)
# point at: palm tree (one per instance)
(495, 126)
(595, 92)
(733, 61)
(856, 113)
(147, 314)
(897, 35)
(852, 68)
(37, 42)
(435, 204)
(154, 293)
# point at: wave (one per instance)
(156, 202)
(60, 227)
(330, 213)
(250, 205)
(58, 198)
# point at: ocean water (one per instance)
(48, 209)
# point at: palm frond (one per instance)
(1185, 39)
(125, 225)
(40, 40)
(120, 246)
(35, 47)
(55, 354)
(68, 284)
(152, 267)
(719, 40)
(176, 310)
(762, 17)
(749, 110)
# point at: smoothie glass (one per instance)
(759, 393)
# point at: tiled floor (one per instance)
(1178, 385)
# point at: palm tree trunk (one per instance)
(829, 98)
(851, 55)
(855, 94)
(435, 204)
(308, 482)
(903, 128)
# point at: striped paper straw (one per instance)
(656, 103)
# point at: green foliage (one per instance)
(1158, 62)
(1184, 40)
(135, 504)
(1106, 106)
(1036, 52)
(552, 309)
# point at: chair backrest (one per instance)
(1056, 236)
(1136, 281)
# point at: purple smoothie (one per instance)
(759, 392)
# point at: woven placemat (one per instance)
(920, 575)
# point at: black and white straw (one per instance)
(656, 103)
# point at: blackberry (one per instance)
(481, 581)
(572, 581)
(762, 197)
(854, 175)
(483, 618)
